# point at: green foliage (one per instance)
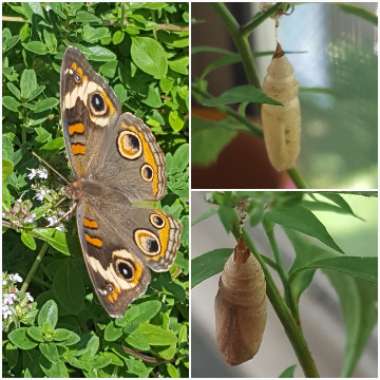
(353, 275)
(142, 51)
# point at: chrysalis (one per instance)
(281, 124)
(240, 307)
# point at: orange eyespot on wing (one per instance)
(129, 145)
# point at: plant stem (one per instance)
(292, 329)
(241, 43)
(259, 18)
(297, 179)
(34, 267)
(269, 230)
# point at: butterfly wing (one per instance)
(89, 112)
(118, 275)
(137, 165)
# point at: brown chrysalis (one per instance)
(240, 306)
(281, 124)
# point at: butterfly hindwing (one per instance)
(118, 275)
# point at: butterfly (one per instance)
(117, 163)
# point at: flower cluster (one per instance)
(18, 307)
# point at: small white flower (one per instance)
(42, 173)
(5, 282)
(30, 218)
(15, 277)
(7, 312)
(32, 173)
(52, 220)
(29, 297)
(8, 299)
(41, 194)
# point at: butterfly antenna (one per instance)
(51, 168)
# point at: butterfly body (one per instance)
(117, 162)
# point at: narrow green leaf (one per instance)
(364, 268)
(303, 220)
(239, 94)
(208, 264)
(205, 215)
(289, 372)
(360, 12)
(50, 351)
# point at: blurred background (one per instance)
(337, 72)
(319, 308)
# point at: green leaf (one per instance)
(14, 90)
(303, 220)
(153, 335)
(112, 333)
(28, 240)
(289, 372)
(175, 121)
(339, 201)
(173, 371)
(205, 215)
(56, 239)
(137, 367)
(137, 314)
(45, 105)
(68, 286)
(28, 83)
(180, 65)
(10, 103)
(228, 217)
(108, 69)
(364, 268)
(50, 351)
(208, 140)
(36, 333)
(239, 94)
(360, 12)
(48, 314)
(20, 339)
(153, 99)
(99, 54)
(208, 264)
(228, 59)
(66, 337)
(85, 17)
(50, 41)
(149, 56)
(118, 37)
(36, 47)
(359, 308)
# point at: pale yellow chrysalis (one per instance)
(281, 124)
(240, 307)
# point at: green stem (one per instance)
(297, 179)
(259, 18)
(269, 230)
(34, 267)
(241, 43)
(291, 327)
